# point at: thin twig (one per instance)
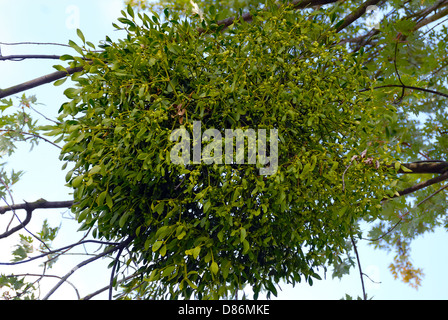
(396, 71)
(57, 250)
(343, 174)
(46, 276)
(359, 266)
(34, 43)
(97, 292)
(408, 87)
(82, 264)
(35, 135)
(113, 272)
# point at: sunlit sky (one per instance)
(56, 21)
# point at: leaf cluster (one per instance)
(208, 230)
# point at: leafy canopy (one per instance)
(206, 230)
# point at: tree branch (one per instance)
(432, 18)
(58, 250)
(91, 295)
(359, 266)
(27, 56)
(112, 274)
(45, 276)
(38, 81)
(408, 87)
(423, 184)
(39, 204)
(29, 208)
(31, 135)
(120, 246)
(352, 17)
(35, 43)
(426, 166)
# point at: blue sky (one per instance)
(56, 21)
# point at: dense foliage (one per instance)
(338, 107)
(211, 228)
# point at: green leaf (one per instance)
(76, 47)
(159, 207)
(123, 219)
(95, 170)
(130, 11)
(162, 251)
(126, 21)
(207, 206)
(246, 246)
(66, 57)
(91, 45)
(60, 82)
(243, 234)
(71, 92)
(168, 270)
(191, 284)
(173, 48)
(60, 68)
(81, 35)
(404, 169)
(214, 267)
(196, 252)
(156, 246)
(77, 181)
(109, 201)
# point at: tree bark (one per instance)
(421, 167)
(38, 82)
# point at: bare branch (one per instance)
(426, 166)
(39, 204)
(97, 292)
(408, 87)
(38, 82)
(432, 18)
(82, 264)
(29, 208)
(34, 43)
(112, 274)
(32, 135)
(45, 276)
(29, 56)
(352, 17)
(424, 184)
(58, 250)
(359, 266)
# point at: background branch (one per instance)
(29, 208)
(424, 184)
(21, 57)
(58, 250)
(39, 204)
(352, 17)
(80, 265)
(38, 81)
